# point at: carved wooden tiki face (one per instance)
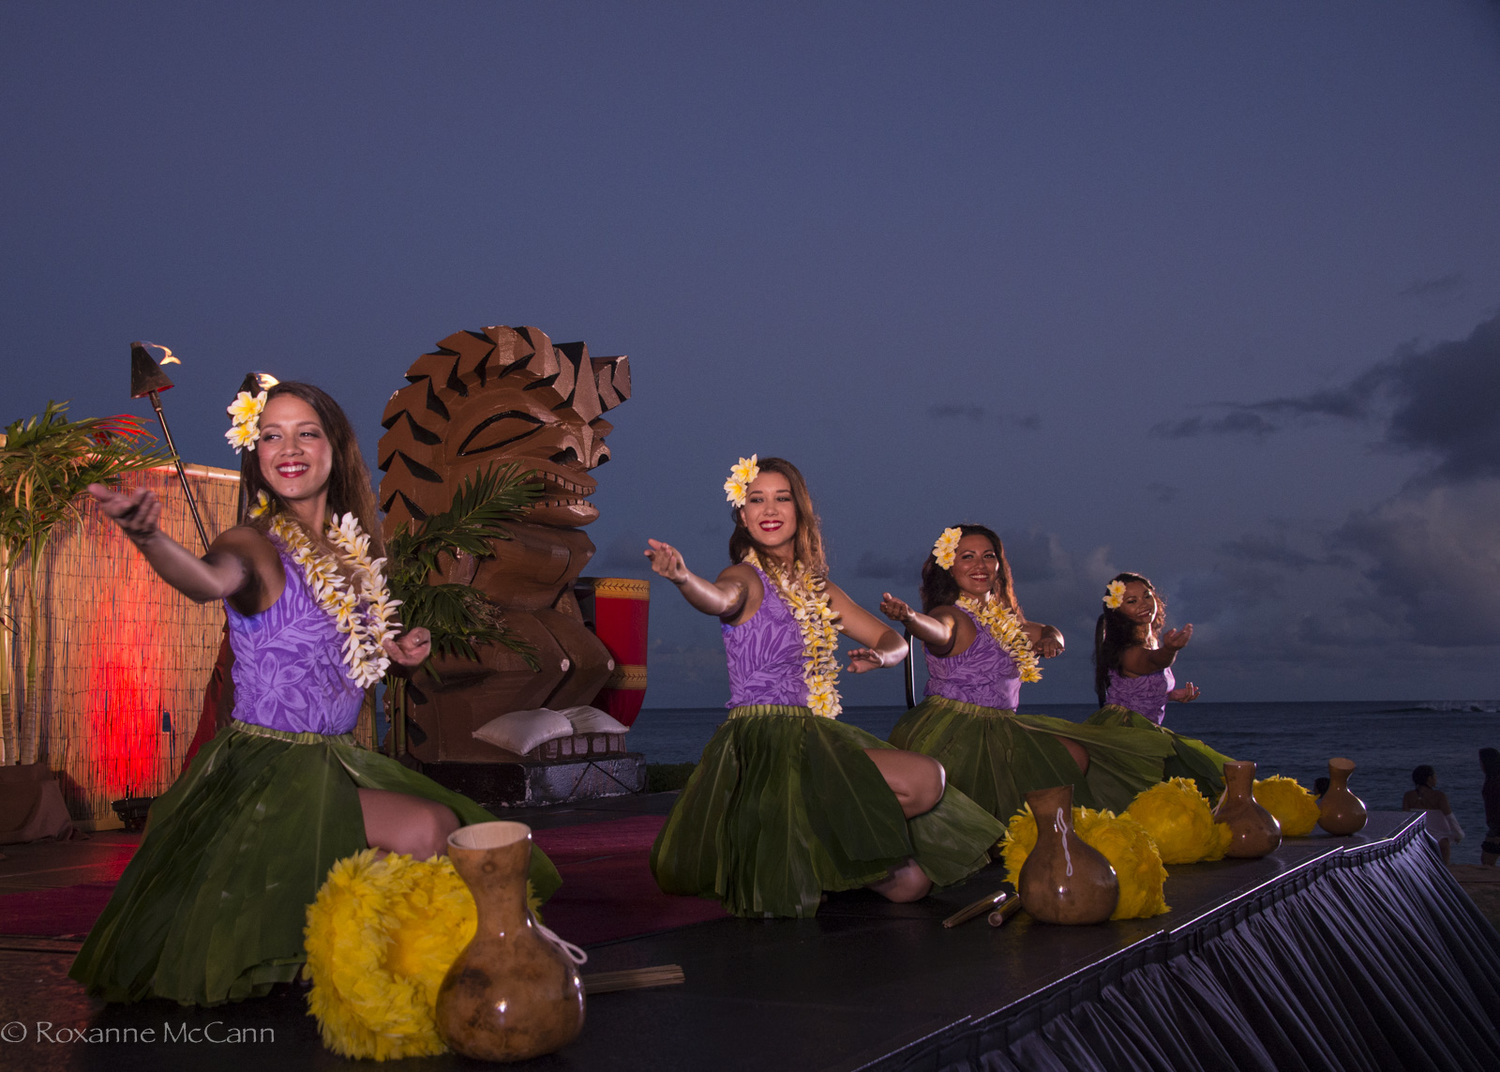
(497, 397)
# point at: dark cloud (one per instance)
(1395, 586)
(1432, 562)
(1440, 287)
(1237, 422)
(1035, 556)
(1443, 400)
(1447, 403)
(948, 411)
(1162, 493)
(1269, 550)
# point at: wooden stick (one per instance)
(977, 909)
(633, 978)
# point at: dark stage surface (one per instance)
(868, 983)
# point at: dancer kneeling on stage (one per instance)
(212, 905)
(1133, 657)
(787, 802)
(979, 649)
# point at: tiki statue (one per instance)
(491, 398)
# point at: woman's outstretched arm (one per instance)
(1140, 661)
(937, 630)
(230, 567)
(883, 645)
(1046, 640)
(723, 598)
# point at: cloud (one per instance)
(1406, 589)
(1443, 401)
(1271, 550)
(1237, 422)
(1440, 287)
(949, 411)
(1432, 560)
(1162, 493)
(1447, 403)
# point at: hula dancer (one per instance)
(979, 649)
(1133, 679)
(787, 802)
(212, 906)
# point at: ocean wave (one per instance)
(1486, 706)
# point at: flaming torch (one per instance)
(146, 379)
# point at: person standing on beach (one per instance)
(1489, 761)
(1426, 796)
(787, 802)
(979, 649)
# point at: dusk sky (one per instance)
(1210, 292)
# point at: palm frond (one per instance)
(458, 615)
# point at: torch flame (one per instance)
(168, 358)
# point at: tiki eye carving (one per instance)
(498, 431)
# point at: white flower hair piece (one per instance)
(740, 479)
(244, 428)
(1114, 595)
(946, 547)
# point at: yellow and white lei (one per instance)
(807, 596)
(1006, 628)
(366, 627)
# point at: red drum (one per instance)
(616, 608)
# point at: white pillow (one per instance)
(522, 731)
(592, 720)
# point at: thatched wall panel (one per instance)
(119, 649)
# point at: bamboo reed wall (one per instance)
(119, 650)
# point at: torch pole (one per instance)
(181, 472)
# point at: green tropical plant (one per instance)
(459, 616)
(47, 463)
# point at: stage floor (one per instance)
(866, 983)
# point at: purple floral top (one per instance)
(289, 673)
(1145, 695)
(765, 654)
(983, 674)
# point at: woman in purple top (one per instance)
(787, 802)
(212, 905)
(1133, 657)
(979, 647)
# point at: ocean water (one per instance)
(1385, 741)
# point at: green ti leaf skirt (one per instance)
(212, 906)
(1190, 757)
(997, 757)
(785, 804)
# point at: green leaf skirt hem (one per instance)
(212, 906)
(996, 757)
(1190, 758)
(785, 804)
